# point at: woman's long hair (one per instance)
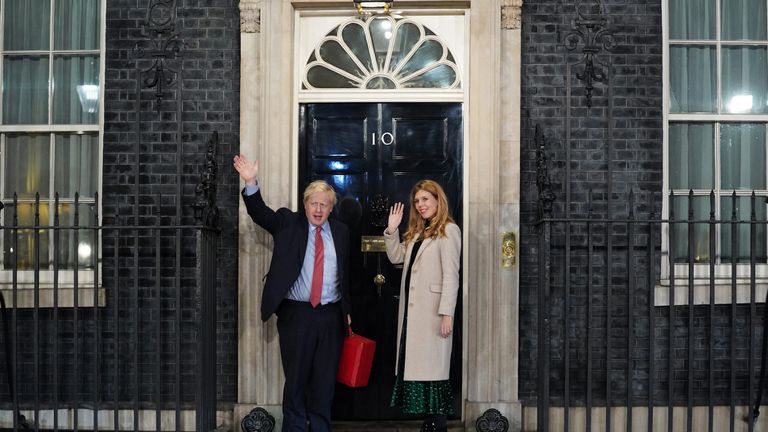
(436, 225)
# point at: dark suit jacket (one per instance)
(289, 230)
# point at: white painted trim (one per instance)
(466, 249)
(723, 292)
(25, 297)
(105, 419)
(577, 418)
(303, 42)
(455, 95)
(379, 96)
(703, 117)
(51, 128)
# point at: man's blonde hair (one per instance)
(320, 186)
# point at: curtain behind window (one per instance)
(20, 18)
(742, 20)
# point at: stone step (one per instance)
(390, 426)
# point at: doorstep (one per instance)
(390, 426)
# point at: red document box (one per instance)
(356, 361)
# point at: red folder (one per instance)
(356, 361)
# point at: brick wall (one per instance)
(615, 146)
(208, 69)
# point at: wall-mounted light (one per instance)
(369, 6)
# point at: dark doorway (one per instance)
(373, 153)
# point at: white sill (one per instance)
(701, 290)
(65, 291)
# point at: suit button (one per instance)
(410, 304)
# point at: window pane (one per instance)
(78, 245)
(26, 24)
(408, 35)
(333, 53)
(381, 34)
(76, 89)
(693, 79)
(442, 76)
(21, 244)
(679, 241)
(743, 210)
(27, 170)
(691, 155)
(427, 54)
(692, 19)
(77, 25)
(77, 165)
(745, 81)
(742, 156)
(321, 77)
(743, 19)
(354, 36)
(25, 90)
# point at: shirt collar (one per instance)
(324, 227)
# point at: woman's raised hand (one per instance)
(246, 170)
(395, 217)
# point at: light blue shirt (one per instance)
(303, 285)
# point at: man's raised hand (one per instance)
(246, 170)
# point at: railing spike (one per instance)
(671, 205)
(690, 204)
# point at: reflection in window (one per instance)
(381, 53)
(744, 81)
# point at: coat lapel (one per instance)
(336, 239)
(425, 244)
(303, 234)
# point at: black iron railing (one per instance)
(120, 330)
(606, 339)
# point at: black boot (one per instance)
(429, 425)
(441, 424)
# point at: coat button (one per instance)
(410, 304)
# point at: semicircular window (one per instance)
(381, 52)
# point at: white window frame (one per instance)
(88, 287)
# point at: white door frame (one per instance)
(268, 132)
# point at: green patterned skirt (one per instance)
(423, 397)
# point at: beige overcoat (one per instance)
(434, 289)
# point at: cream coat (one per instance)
(434, 289)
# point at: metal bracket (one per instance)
(492, 420)
(258, 420)
(508, 249)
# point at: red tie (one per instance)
(317, 273)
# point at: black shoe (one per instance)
(429, 426)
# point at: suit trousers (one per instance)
(310, 348)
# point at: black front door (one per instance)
(373, 154)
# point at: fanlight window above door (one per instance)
(381, 52)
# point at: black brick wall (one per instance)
(209, 73)
(626, 117)
(633, 109)
(210, 80)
